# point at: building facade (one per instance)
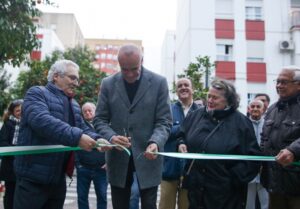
(107, 51)
(65, 26)
(250, 40)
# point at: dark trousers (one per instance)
(39, 196)
(121, 196)
(8, 198)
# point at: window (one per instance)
(250, 97)
(255, 59)
(103, 55)
(109, 56)
(224, 9)
(254, 13)
(255, 51)
(295, 4)
(224, 52)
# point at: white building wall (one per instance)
(50, 42)
(168, 58)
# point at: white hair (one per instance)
(258, 101)
(60, 67)
(295, 69)
(90, 104)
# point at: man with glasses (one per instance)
(50, 116)
(281, 138)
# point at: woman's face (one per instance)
(216, 99)
(17, 112)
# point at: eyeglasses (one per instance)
(73, 78)
(283, 82)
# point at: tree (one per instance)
(5, 97)
(195, 73)
(90, 78)
(17, 31)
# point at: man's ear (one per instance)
(55, 76)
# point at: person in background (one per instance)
(90, 167)
(256, 110)
(281, 138)
(171, 189)
(133, 110)
(135, 194)
(9, 137)
(50, 116)
(265, 99)
(218, 128)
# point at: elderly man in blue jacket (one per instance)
(50, 116)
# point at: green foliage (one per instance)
(5, 97)
(195, 72)
(90, 78)
(17, 31)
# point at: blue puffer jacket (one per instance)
(44, 121)
(173, 167)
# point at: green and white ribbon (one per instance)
(201, 156)
(29, 150)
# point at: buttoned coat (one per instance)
(147, 119)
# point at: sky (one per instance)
(146, 20)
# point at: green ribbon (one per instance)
(30, 150)
(201, 156)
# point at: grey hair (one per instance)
(294, 69)
(89, 103)
(230, 94)
(258, 101)
(60, 67)
(130, 49)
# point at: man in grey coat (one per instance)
(133, 110)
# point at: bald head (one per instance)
(184, 90)
(130, 61)
(256, 109)
(130, 50)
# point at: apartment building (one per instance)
(107, 51)
(250, 40)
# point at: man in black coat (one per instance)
(281, 138)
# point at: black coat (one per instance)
(219, 184)
(282, 130)
(6, 137)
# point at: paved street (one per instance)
(71, 197)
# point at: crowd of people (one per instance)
(133, 110)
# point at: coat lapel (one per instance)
(145, 84)
(120, 87)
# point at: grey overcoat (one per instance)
(147, 119)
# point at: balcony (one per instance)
(295, 18)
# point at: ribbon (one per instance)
(29, 150)
(201, 156)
